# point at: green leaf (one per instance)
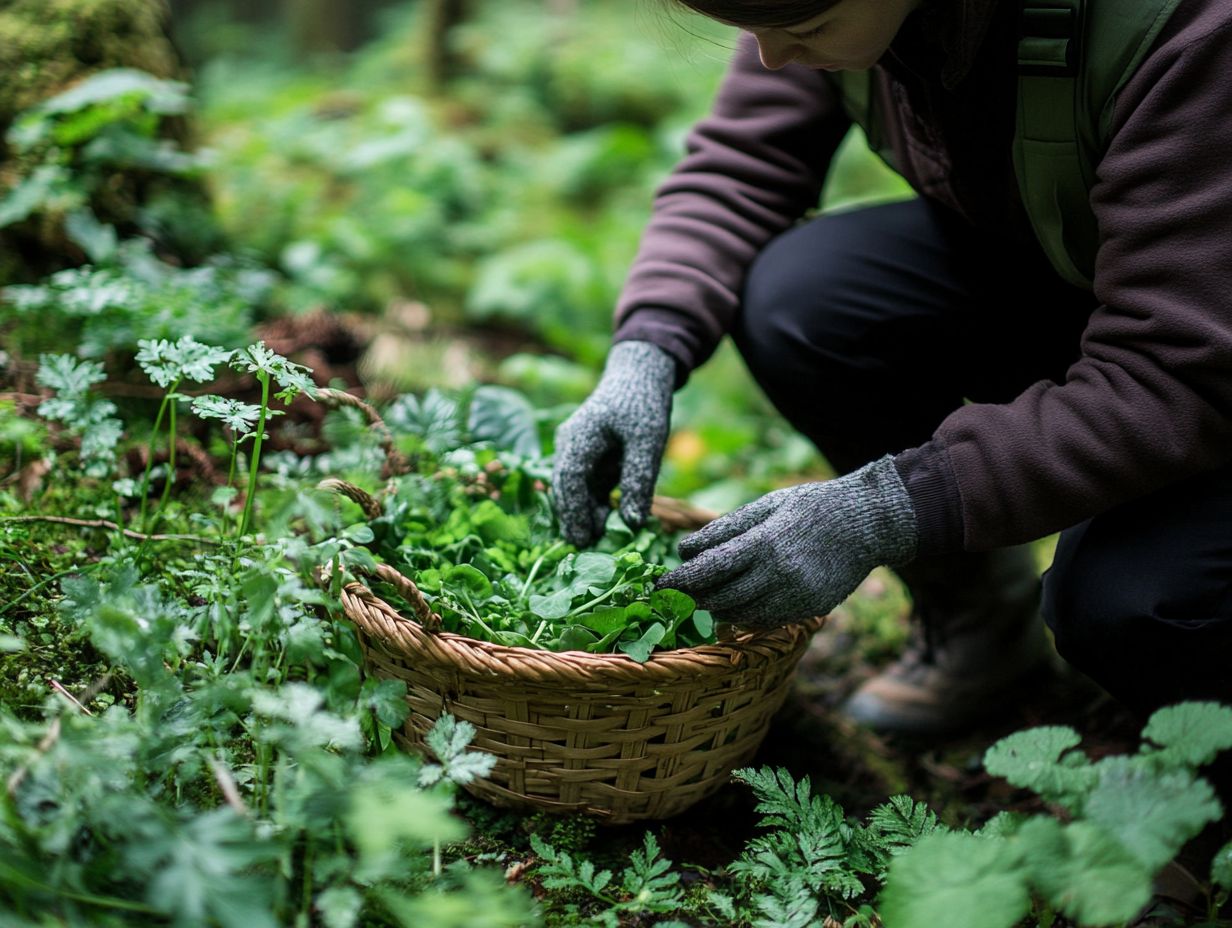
(492, 524)
(901, 821)
(1083, 871)
(554, 606)
(388, 818)
(239, 417)
(195, 870)
(387, 698)
(606, 619)
(506, 419)
(955, 879)
(1152, 814)
(591, 569)
(434, 419)
(575, 638)
(340, 906)
(469, 578)
(482, 901)
(640, 650)
(1037, 759)
(165, 97)
(448, 740)
(704, 623)
(42, 189)
(166, 362)
(95, 238)
(1191, 733)
(68, 376)
(673, 605)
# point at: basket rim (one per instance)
(400, 633)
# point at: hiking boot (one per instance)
(977, 634)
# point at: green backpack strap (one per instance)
(1074, 57)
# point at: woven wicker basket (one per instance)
(578, 732)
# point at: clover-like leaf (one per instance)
(1152, 814)
(951, 878)
(1040, 759)
(1191, 733)
(1084, 871)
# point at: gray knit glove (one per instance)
(616, 436)
(798, 552)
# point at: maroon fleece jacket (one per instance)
(1148, 402)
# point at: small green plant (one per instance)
(168, 364)
(646, 887)
(814, 862)
(1127, 816)
(74, 404)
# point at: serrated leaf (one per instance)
(903, 821)
(1221, 868)
(434, 418)
(385, 815)
(240, 417)
(1083, 871)
(1037, 759)
(1191, 733)
(955, 879)
(1151, 814)
(387, 698)
(67, 375)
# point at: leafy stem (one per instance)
(534, 570)
(255, 463)
(149, 456)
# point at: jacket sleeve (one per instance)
(1149, 401)
(753, 167)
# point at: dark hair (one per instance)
(769, 14)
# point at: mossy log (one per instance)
(47, 46)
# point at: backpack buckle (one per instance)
(1049, 37)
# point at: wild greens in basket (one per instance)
(478, 537)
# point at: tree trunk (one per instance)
(439, 57)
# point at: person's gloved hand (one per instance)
(798, 552)
(617, 435)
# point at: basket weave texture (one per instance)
(578, 732)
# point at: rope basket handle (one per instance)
(395, 460)
(407, 589)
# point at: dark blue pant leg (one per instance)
(867, 328)
(1140, 597)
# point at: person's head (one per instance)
(835, 35)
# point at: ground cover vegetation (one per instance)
(187, 733)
